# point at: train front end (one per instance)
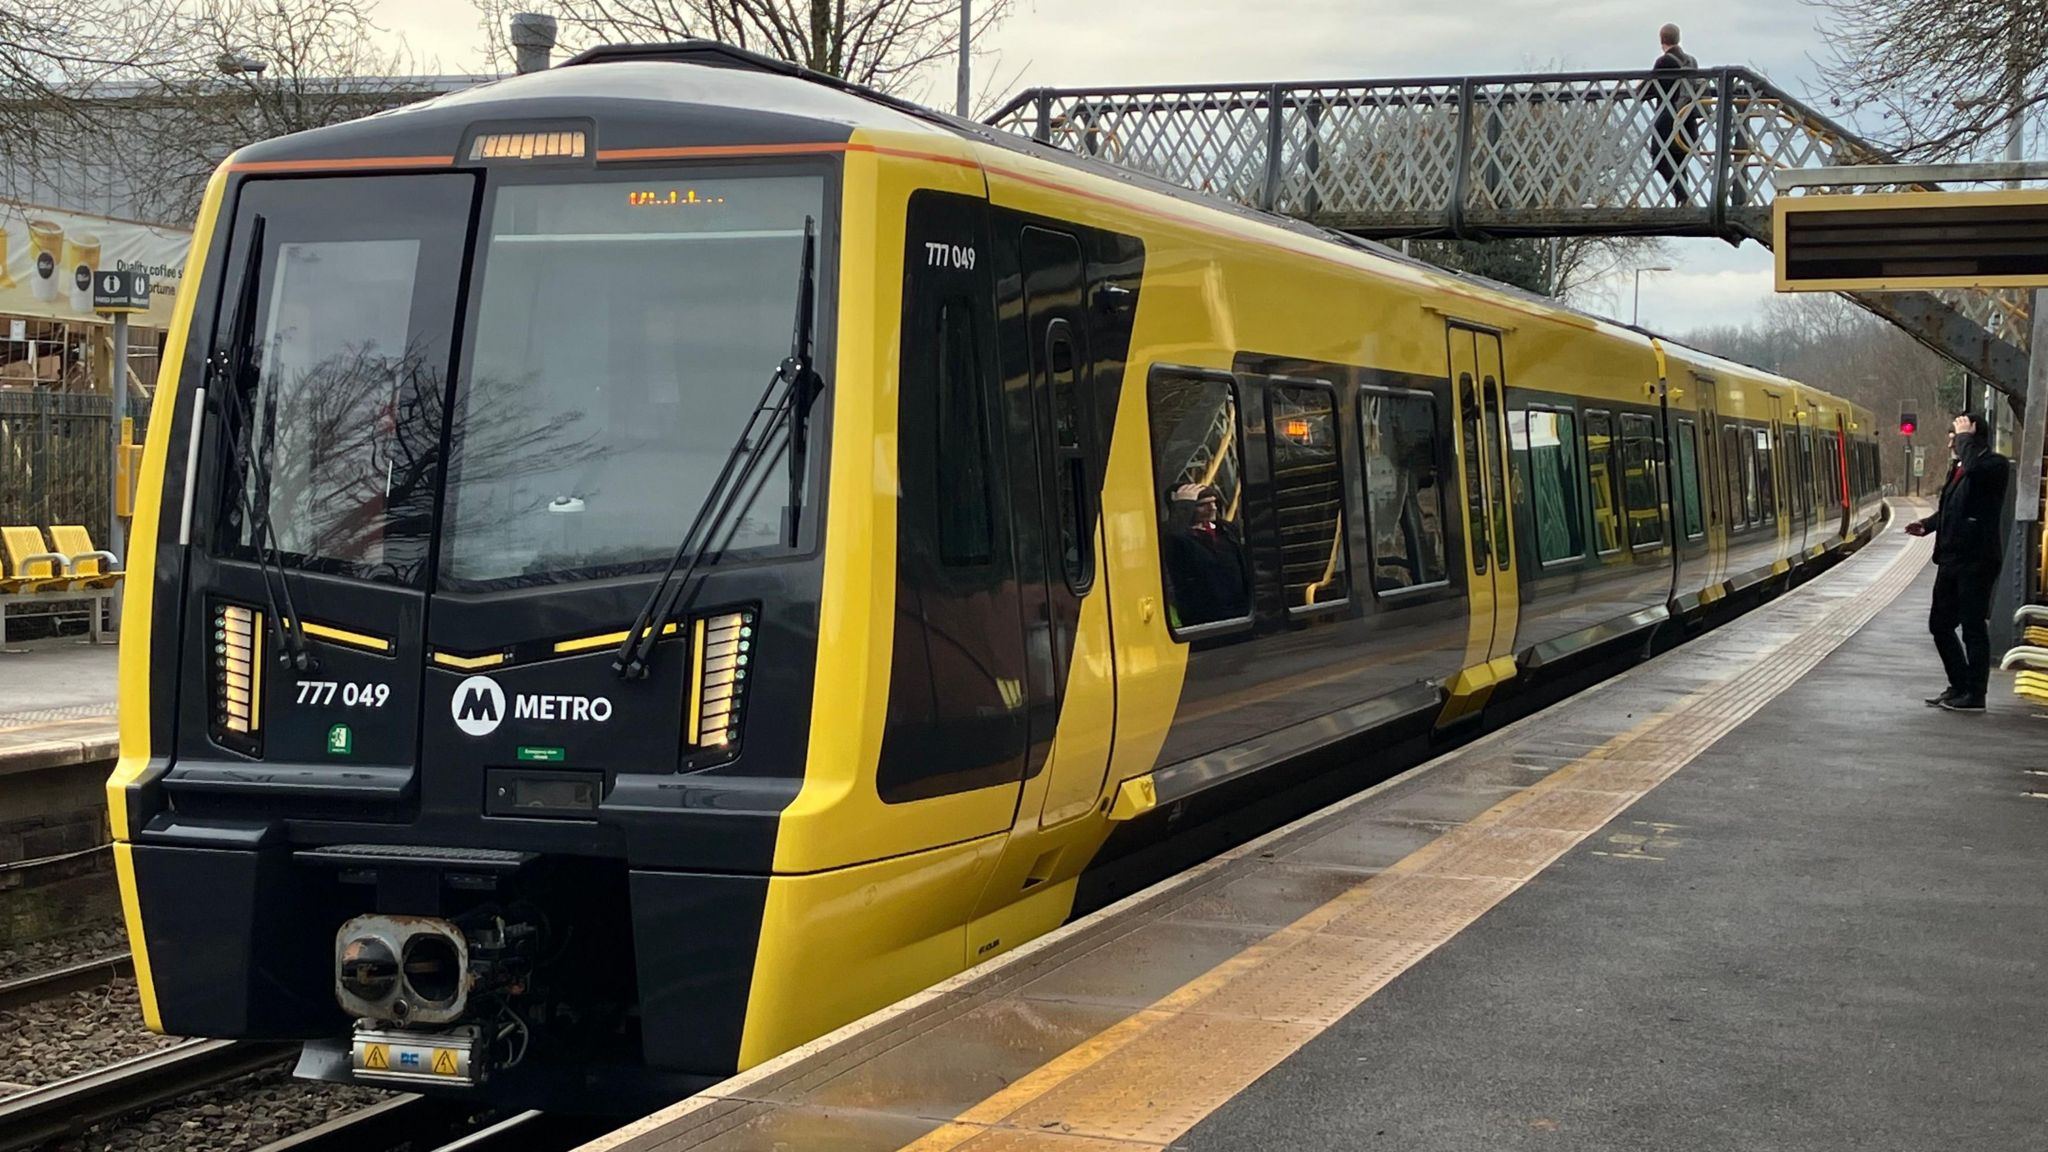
(472, 665)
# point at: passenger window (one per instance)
(1070, 456)
(1403, 492)
(1308, 493)
(1687, 490)
(1501, 536)
(966, 538)
(1639, 465)
(1198, 476)
(1600, 471)
(1766, 477)
(1475, 473)
(1731, 472)
(1556, 509)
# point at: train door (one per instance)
(1069, 448)
(1477, 387)
(1714, 485)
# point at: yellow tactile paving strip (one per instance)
(1153, 1073)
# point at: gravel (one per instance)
(89, 942)
(240, 1115)
(53, 1039)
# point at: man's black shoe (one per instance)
(1964, 704)
(1947, 694)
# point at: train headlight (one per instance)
(237, 650)
(722, 654)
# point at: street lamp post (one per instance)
(1635, 315)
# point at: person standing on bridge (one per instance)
(1967, 550)
(1678, 115)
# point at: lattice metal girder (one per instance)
(1941, 327)
(1671, 153)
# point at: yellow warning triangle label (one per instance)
(377, 1058)
(444, 1062)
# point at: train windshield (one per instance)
(623, 334)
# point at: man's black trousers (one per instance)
(1962, 600)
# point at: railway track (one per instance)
(59, 981)
(73, 1105)
(442, 1125)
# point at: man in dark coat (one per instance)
(1678, 115)
(1204, 559)
(1967, 550)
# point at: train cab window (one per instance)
(346, 336)
(1640, 482)
(966, 535)
(1600, 475)
(1403, 490)
(1766, 477)
(1198, 476)
(1308, 493)
(617, 354)
(1685, 490)
(1551, 443)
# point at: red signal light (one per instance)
(1906, 427)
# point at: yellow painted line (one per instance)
(467, 663)
(344, 636)
(586, 643)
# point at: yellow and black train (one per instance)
(641, 564)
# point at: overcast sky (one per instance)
(1075, 42)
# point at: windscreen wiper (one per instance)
(237, 368)
(789, 392)
(803, 382)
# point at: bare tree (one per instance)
(883, 44)
(1944, 80)
(1830, 343)
(54, 54)
(251, 70)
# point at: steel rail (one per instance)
(56, 982)
(71, 1106)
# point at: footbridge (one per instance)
(1684, 154)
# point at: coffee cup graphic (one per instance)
(81, 260)
(46, 249)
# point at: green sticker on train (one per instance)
(548, 755)
(341, 741)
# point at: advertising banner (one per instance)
(48, 260)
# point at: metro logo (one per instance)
(478, 705)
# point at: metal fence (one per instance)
(56, 458)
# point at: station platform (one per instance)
(57, 704)
(1751, 894)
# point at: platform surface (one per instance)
(56, 703)
(1752, 894)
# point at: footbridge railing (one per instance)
(1675, 153)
